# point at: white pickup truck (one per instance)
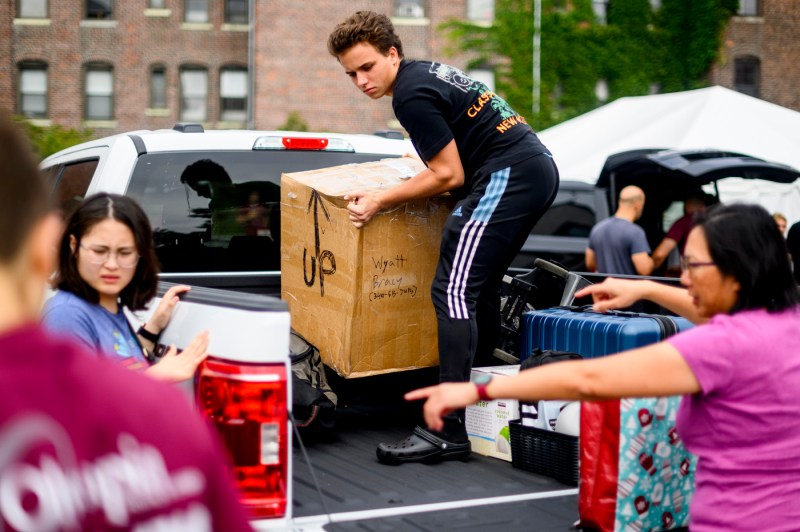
(328, 484)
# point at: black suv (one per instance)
(563, 232)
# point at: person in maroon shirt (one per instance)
(694, 204)
(86, 444)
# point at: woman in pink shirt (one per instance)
(739, 372)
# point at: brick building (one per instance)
(760, 52)
(119, 65)
(294, 71)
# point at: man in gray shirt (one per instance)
(617, 245)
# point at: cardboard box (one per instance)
(362, 296)
(487, 421)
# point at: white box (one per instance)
(487, 421)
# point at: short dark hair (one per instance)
(364, 26)
(90, 212)
(23, 195)
(745, 243)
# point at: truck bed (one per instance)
(359, 493)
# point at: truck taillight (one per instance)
(247, 404)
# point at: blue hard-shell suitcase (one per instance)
(592, 334)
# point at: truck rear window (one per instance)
(220, 211)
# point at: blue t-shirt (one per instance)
(95, 327)
(614, 241)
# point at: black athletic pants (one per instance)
(480, 239)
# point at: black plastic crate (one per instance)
(545, 452)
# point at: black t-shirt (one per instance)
(437, 103)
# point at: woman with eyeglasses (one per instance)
(106, 263)
(738, 372)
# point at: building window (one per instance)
(158, 87)
(747, 75)
(194, 94)
(99, 93)
(233, 85)
(156, 4)
(600, 8)
(99, 9)
(480, 10)
(748, 8)
(195, 11)
(33, 90)
(410, 8)
(236, 12)
(32, 8)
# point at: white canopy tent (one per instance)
(714, 117)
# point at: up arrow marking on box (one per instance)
(315, 201)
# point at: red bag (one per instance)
(635, 473)
(597, 496)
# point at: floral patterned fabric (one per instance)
(656, 472)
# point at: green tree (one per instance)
(673, 47)
(294, 122)
(690, 38)
(47, 140)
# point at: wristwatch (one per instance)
(147, 335)
(481, 381)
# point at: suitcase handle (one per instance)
(575, 308)
(572, 281)
(590, 308)
(668, 327)
(547, 266)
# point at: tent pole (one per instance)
(537, 50)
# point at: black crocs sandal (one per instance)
(422, 446)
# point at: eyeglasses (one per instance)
(125, 257)
(688, 265)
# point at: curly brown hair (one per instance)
(364, 26)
